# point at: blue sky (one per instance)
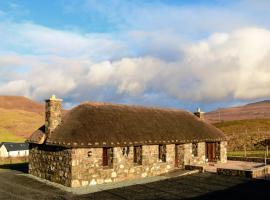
(166, 53)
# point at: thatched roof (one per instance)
(102, 124)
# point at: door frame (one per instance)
(210, 150)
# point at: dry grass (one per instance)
(245, 133)
(258, 153)
(15, 125)
(6, 136)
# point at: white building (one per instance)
(9, 149)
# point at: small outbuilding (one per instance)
(96, 143)
(10, 149)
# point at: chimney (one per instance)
(53, 114)
(199, 113)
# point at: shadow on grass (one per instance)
(22, 167)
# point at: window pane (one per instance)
(162, 152)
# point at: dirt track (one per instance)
(16, 185)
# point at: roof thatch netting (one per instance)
(101, 124)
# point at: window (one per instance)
(108, 157)
(162, 152)
(125, 151)
(195, 149)
(138, 155)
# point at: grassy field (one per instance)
(245, 133)
(6, 136)
(259, 153)
(16, 125)
(239, 126)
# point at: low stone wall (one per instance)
(249, 159)
(51, 163)
(253, 173)
(194, 167)
(13, 160)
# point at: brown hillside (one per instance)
(245, 133)
(258, 110)
(19, 117)
(21, 103)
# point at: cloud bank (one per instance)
(230, 65)
(142, 52)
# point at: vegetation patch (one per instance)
(6, 136)
(245, 134)
(257, 154)
(16, 125)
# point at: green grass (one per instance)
(257, 153)
(6, 136)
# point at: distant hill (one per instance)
(21, 103)
(257, 110)
(19, 117)
(244, 126)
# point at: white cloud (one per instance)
(16, 87)
(225, 65)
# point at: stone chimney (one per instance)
(199, 113)
(53, 114)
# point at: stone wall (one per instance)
(190, 159)
(53, 114)
(51, 163)
(13, 160)
(83, 166)
(88, 170)
(259, 172)
(223, 151)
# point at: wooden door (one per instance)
(211, 151)
(179, 156)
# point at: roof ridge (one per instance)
(101, 104)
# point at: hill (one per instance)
(245, 126)
(21, 103)
(19, 118)
(257, 110)
(245, 134)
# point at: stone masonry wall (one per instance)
(83, 166)
(223, 151)
(88, 170)
(53, 114)
(51, 163)
(190, 159)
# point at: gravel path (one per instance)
(18, 186)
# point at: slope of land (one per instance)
(21, 103)
(258, 110)
(245, 134)
(245, 126)
(19, 117)
(16, 124)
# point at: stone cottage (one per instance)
(96, 143)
